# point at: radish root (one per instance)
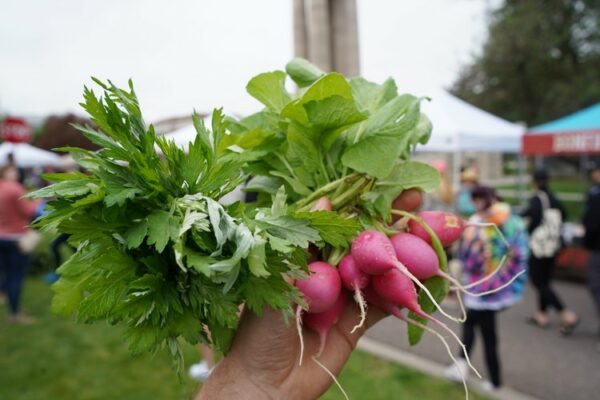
(451, 332)
(299, 329)
(406, 272)
(324, 368)
(442, 339)
(463, 311)
(362, 304)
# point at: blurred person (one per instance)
(468, 181)
(481, 252)
(15, 215)
(545, 243)
(591, 223)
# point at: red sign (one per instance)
(576, 142)
(15, 130)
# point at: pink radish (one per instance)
(398, 289)
(322, 322)
(374, 254)
(354, 279)
(322, 287)
(447, 226)
(320, 290)
(416, 254)
(420, 259)
(323, 204)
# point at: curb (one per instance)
(432, 368)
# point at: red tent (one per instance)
(575, 134)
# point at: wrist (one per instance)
(229, 381)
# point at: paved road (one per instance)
(536, 362)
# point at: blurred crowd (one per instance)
(532, 240)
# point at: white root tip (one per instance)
(479, 294)
(362, 304)
(460, 343)
(299, 329)
(324, 368)
(488, 276)
(463, 311)
(443, 340)
(406, 272)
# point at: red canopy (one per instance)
(577, 133)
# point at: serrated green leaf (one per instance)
(333, 228)
(279, 206)
(136, 234)
(257, 260)
(296, 185)
(66, 188)
(159, 229)
(296, 232)
(119, 198)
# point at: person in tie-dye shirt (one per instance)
(481, 252)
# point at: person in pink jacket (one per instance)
(15, 214)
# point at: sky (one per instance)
(198, 54)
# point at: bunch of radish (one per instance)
(386, 272)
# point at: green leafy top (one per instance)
(155, 250)
(334, 128)
(348, 139)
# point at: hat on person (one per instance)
(540, 175)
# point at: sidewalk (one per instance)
(537, 363)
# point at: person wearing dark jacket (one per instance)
(591, 223)
(541, 268)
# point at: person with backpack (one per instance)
(591, 222)
(545, 215)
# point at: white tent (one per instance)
(459, 126)
(27, 156)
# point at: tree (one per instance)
(541, 61)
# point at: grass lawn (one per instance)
(58, 359)
(574, 185)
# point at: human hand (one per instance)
(264, 359)
(263, 362)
